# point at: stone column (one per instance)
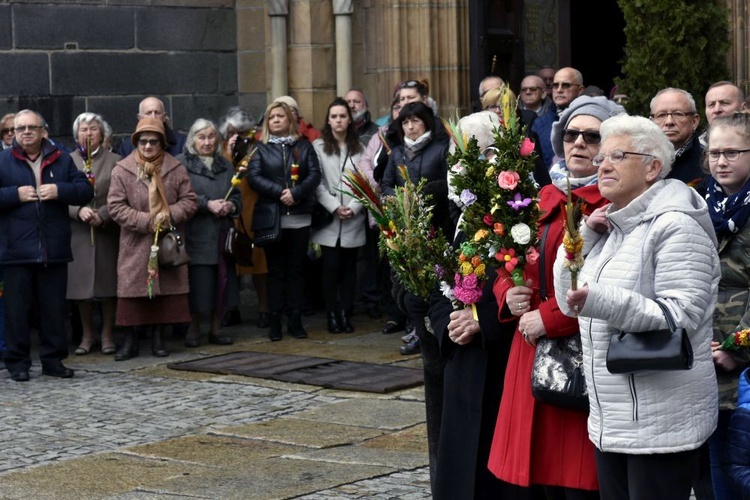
(278, 11)
(342, 10)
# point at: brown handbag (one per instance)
(172, 251)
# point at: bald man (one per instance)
(154, 107)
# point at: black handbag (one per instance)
(172, 251)
(266, 223)
(238, 245)
(321, 217)
(668, 349)
(557, 374)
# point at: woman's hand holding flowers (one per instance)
(344, 212)
(518, 299)
(577, 299)
(287, 198)
(723, 359)
(462, 326)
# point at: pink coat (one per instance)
(128, 206)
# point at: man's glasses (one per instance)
(149, 142)
(530, 89)
(589, 136)
(676, 115)
(730, 155)
(563, 85)
(30, 128)
(6, 131)
(615, 156)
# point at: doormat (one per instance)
(323, 372)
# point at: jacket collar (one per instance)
(49, 152)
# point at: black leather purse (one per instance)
(238, 246)
(172, 252)
(668, 349)
(557, 374)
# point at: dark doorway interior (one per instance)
(597, 41)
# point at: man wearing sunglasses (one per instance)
(567, 85)
(533, 95)
(675, 112)
(38, 182)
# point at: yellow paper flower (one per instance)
(490, 171)
(481, 234)
(479, 270)
(236, 181)
(466, 268)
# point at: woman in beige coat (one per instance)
(92, 276)
(149, 188)
(339, 150)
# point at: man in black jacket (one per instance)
(37, 183)
(154, 108)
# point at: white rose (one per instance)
(521, 233)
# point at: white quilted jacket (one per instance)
(665, 237)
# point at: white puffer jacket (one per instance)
(665, 237)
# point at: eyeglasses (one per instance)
(30, 128)
(149, 142)
(730, 155)
(6, 131)
(530, 89)
(614, 157)
(677, 115)
(494, 107)
(589, 136)
(563, 85)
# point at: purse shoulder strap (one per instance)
(667, 314)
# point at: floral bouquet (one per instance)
(87, 162)
(240, 165)
(500, 212)
(736, 340)
(152, 267)
(573, 240)
(418, 252)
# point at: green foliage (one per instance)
(672, 43)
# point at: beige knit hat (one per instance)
(149, 124)
(289, 101)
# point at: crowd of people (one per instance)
(665, 228)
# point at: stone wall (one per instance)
(62, 58)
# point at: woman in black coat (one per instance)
(285, 173)
(422, 155)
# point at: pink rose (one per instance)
(527, 147)
(532, 255)
(508, 180)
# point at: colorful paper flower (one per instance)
(508, 180)
(521, 233)
(527, 147)
(507, 258)
(498, 229)
(467, 197)
(487, 219)
(481, 235)
(518, 202)
(532, 255)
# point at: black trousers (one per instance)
(286, 263)
(339, 276)
(49, 283)
(667, 476)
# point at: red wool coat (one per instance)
(536, 443)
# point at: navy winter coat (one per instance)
(736, 460)
(39, 232)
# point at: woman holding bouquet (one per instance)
(339, 150)
(92, 276)
(213, 280)
(150, 189)
(285, 173)
(727, 195)
(537, 443)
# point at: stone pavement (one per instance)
(138, 430)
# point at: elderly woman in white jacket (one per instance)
(654, 242)
(339, 150)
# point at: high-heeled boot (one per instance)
(345, 322)
(129, 348)
(333, 322)
(275, 331)
(294, 326)
(157, 342)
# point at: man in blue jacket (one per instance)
(37, 183)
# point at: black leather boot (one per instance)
(345, 322)
(129, 349)
(275, 332)
(157, 342)
(333, 322)
(294, 326)
(220, 339)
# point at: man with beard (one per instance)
(363, 123)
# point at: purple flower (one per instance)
(517, 203)
(439, 271)
(467, 197)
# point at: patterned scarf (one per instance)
(151, 170)
(728, 213)
(559, 172)
(275, 139)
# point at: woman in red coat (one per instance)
(536, 443)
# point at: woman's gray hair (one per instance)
(238, 119)
(198, 125)
(645, 137)
(92, 117)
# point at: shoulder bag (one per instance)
(557, 373)
(172, 252)
(668, 349)
(266, 223)
(238, 245)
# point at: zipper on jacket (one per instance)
(283, 166)
(633, 396)
(593, 381)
